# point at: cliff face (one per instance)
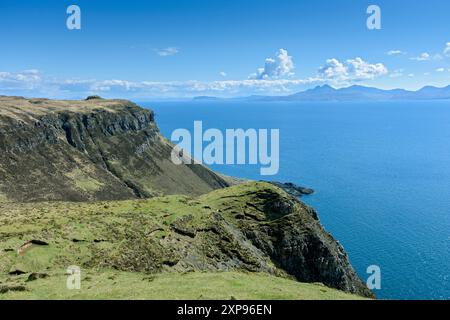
(287, 232)
(89, 150)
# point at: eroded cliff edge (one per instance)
(89, 150)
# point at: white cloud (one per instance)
(108, 84)
(423, 57)
(362, 70)
(447, 49)
(396, 73)
(32, 83)
(427, 57)
(275, 68)
(440, 70)
(222, 74)
(395, 53)
(351, 70)
(22, 76)
(334, 69)
(26, 80)
(193, 88)
(411, 75)
(167, 52)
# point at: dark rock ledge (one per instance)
(293, 189)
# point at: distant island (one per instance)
(208, 98)
(352, 93)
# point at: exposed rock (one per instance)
(36, 275)
(89, 150)
(293, 189)
(16, 272)
(183, 226)
(9, 288)
(38, 242)
(29, 244)
(296, 242)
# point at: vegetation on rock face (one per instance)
(93, 97)
(253, 227)
(89, 150)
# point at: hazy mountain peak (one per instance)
(324, 87)
(360, 93)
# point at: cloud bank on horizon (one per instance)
(276, 77)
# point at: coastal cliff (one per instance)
(149, 216)
(89, 150)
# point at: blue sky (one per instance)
(169, 49)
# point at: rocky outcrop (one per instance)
(89, 150)
(293, 189)
(289, 233)
(252, 227)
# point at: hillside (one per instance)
(170, 286)
(253, 227)
(89, 150)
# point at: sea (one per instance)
(380, 171)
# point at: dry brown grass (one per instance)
(27, 110)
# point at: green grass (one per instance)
(3, 198)
(83, 182)
(137, 238)
(173, 286)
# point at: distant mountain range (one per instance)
(353, 93)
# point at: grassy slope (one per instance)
(125, 235)
(195, 285)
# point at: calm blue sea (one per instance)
(381, 172)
